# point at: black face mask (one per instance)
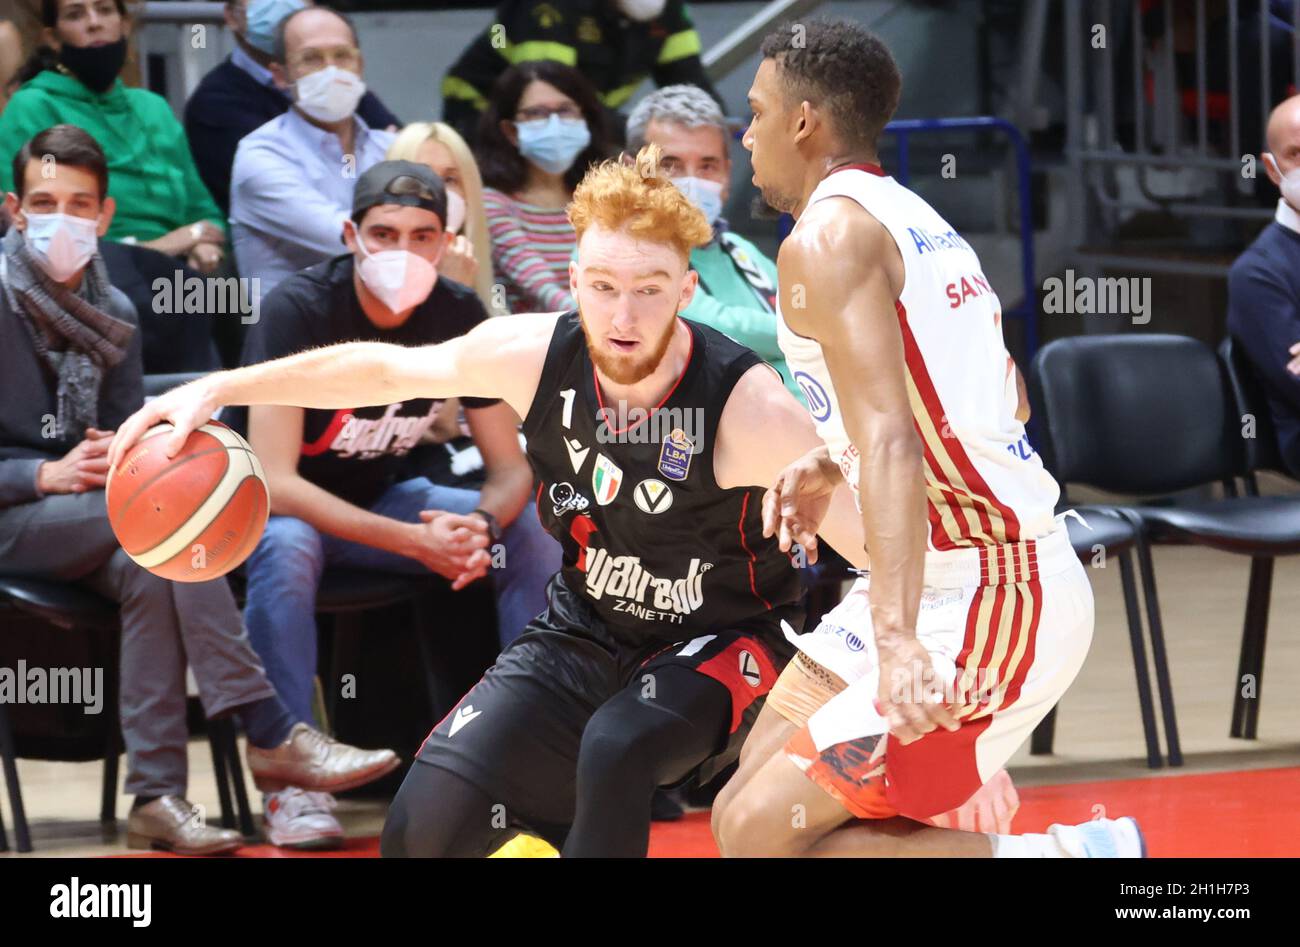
(96, 66)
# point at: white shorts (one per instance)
(1007, 631)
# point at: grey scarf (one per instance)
(72, 333)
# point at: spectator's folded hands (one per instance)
(81, 469)
(452, 545)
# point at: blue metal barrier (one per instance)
(1027, 311)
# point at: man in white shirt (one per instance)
(239, 95)
(291, 189)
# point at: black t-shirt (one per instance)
(357, 453)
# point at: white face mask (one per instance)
(330, 94)
(641, 10)
(63, 244)
(455, 211)
(1290, 185)
(398, 278)
(704, 194)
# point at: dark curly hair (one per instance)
(500, 162)
(841, 67)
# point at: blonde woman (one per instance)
(468, 259)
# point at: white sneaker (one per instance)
(1101, 838)
(297, 819)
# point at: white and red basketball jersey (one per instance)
(985, 485)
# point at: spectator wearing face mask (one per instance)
(340, 493)
(737, 289)
(70, 346)
(291, 189)
(72, 78)
(1264, 287)
(542, 128)
(240, 94)
(615, 44)
(468, 258)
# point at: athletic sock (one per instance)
(267, 722)
(1029, 846)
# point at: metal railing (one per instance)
(172, 30)
(904, 129)
(1163, 137)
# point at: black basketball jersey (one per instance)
(651, 542)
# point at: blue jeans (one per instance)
(284, 574)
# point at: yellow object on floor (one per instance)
(525, 846)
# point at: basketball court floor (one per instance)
(1231, 798)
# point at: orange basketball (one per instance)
(196, 516)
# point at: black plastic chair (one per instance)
(1152, 415)
(349, 592)
(1062, 420)
(1109, 536)
(73, 608)
(1261, 454)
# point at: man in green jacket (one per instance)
(161, 201)
(737, 291)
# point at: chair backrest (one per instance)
(155, 385)
(1250, 400)
(1135, 414)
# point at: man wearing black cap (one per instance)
(336, 476)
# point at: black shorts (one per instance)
(517, 733)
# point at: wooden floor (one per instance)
(1098, 731)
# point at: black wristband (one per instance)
(494, 528)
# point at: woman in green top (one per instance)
(73, 78)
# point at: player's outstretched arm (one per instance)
(499, 358)
(850, 309)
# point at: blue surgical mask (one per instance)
(704, 194)
(263, 17)
(553, 143)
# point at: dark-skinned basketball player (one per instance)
(976, 615)
(653, 439)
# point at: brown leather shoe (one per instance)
(311, 760)
(169, 823)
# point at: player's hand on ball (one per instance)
(454, 546)
(794, 507)
(910, 695)
(989, 811)
(186, 408)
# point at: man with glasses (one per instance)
(291, 189)
(240, 94)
